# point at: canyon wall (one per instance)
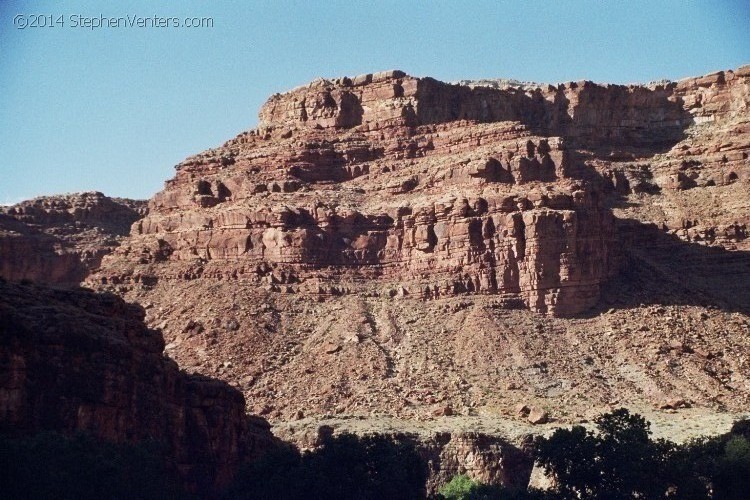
(76, 361)
(382, 184)
(391, 246)
(395, 244)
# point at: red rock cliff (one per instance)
(362, 249)
(402, 186)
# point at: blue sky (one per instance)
(114, 109)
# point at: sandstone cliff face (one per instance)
(589, 114)
(429, 189)
(394, 245)
(434, 189)
(486, 459)
(697, 188)
(80, 361)
(59, 239)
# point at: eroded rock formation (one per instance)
(484, 458)
(406, 186)
(387, 245)
(435, 189)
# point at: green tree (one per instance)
(731, 472)
(462, 487)
(620, 461)
(458, 488)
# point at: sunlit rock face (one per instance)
(395, 244)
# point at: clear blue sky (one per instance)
(114, 109)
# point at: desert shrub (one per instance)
(51, 466)
(458, 488)
(345, 467)
(461, 487)
(732, 477)
(621, 461)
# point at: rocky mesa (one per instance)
(393, 245)
(385, 183)
(388, 248)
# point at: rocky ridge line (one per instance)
(60, 239)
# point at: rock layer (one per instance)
(410, 186)
(486, 459)
(406, 186)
